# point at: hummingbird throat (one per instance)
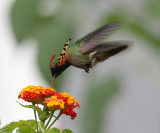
(63, 56)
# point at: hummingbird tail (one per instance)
(111, 48)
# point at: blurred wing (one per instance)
(112, 46)
(91, 40)
(109, 49)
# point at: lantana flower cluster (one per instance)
(63, 101)
(50, 98)
(35, 94)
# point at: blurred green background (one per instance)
(49, 24)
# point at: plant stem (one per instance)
(36, 121)
(60, 113)
(49, 120)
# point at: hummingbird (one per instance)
(86, 52)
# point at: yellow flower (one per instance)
(69, 99)
(53, 103)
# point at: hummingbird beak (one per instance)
(53, 78)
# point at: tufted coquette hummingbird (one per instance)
(88, 51)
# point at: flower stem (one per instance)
(36, 121)
(60, 113)
(49, 119)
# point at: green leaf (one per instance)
(26, 127)
(152, 7)
(9, 127)
(114, 16)
(53, 130)
(30, 106)
(24, 18)
(98, 98)
(23, 127)
(43, 115)
(67, 131)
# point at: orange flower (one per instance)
(68, 99)
(53, 103)
(69, 104)
(35, 94)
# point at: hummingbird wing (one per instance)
(105, 50)
(111, 45)
(91, 40)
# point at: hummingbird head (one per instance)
(54, 67)
(58, 65)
